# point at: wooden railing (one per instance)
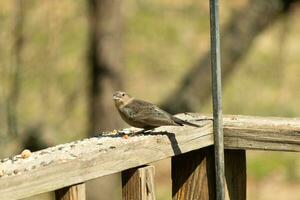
(64, 168)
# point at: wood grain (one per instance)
(235, 174)
(193, 175)
(74, 192)
(262, 133)
(76, 162)
(138, 183)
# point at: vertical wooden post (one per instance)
(235, 173)
(138, 183)
(193, 175)
(74, 192)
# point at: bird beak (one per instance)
(116, 98)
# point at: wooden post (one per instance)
(138, 183)
(74, 192)
(193, 175)
(235, 173)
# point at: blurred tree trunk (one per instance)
(236, 40)
(104, 63)
(104, 78)
(18, 38)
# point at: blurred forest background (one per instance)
(60, 61)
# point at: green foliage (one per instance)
(264, 164)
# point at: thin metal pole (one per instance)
(217, 99)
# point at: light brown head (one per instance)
(121, 98)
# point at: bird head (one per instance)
(121, 98)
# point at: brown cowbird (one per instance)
(142, 114)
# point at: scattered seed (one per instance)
(26, 153)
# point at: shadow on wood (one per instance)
(193, 175)
(235, 173)
(172, 138)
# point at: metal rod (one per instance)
(217, 99)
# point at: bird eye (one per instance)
(123, 95)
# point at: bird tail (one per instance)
(182, 122)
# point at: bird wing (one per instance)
(147, 113)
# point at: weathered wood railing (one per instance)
(64, 168)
